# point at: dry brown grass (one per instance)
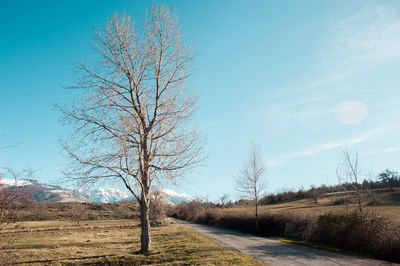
(324, 205)
(111, 242)
(34, 211)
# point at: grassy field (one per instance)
(306, 206)
(34, 211)
(110, 242)
(388, 205)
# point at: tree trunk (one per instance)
(257, 226)
(145, 225)
(358, 194)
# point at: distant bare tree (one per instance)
(131, 123)
(223, 200)
(77, 212)
(10, 199)
(314, 193)
(250, 183)
(157, 211)
(6, 199)
(349, 170)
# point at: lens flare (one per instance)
(350, 112)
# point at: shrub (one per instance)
(269, 224)
(157, 211)
(190, 211)
(361, 232)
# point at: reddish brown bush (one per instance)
(269, 224)
(10, 202)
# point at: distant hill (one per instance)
(41, 192)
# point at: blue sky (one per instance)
(302, 79)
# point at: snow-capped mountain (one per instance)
(40, 192)
(114, 195)
(13, 182)
(173, 197)
(104, 195)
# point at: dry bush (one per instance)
(190, 210)
(269, 224)
(157, 210)
(124, 210)
(361, 232)
(77, 212)
(10, 202)
(6, 214)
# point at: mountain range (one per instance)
(41, 192)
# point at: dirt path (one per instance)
(274, 252)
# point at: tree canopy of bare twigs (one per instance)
(250, 183)
(131, 122)
(350, 170)
(10, 198)
(9, 201)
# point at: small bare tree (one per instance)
(157, 210)
(11, 198)
(77, 212)
(314, 193)
(250, 183)
(10, 202)
(349, 171)
(131, 123)
(223, 200)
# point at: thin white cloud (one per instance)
(375, 134)
(365, 40)
(359, 43)
(290, 109)
(392, 149)
(386, 150)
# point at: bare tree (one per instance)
(131, 123)
(250, 183)
(350, 171)
(9, 198)
(314, 193)
(157, 210)
(223, 200)
(77, 212)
